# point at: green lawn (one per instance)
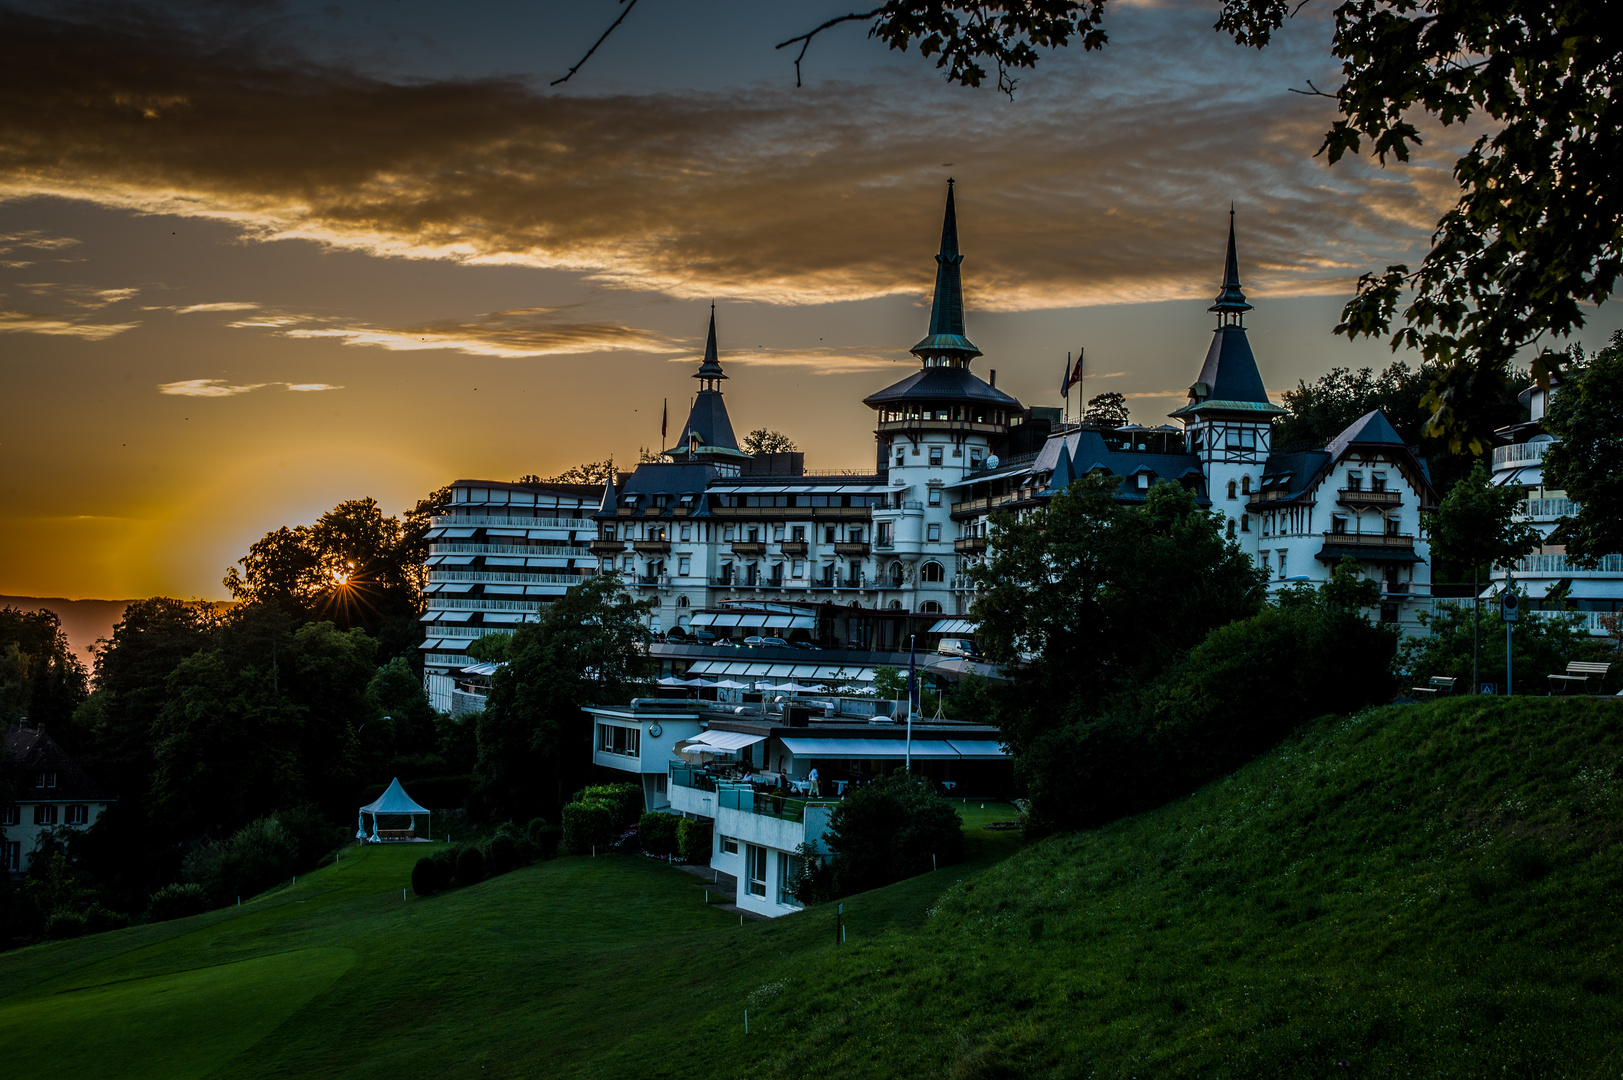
(1421, 891)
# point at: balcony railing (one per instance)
(982, 506)
(445, 603)
(750, 547)
(606, 547)
(1374, 540)
(750, 801)
(1519, 454)
(463, 521)
(1263, 498)
(1367, 497)
(654, 579)
(849, 548)
(690, 776)
(1546, 509)
(971, 545)
(439, 574)
(795, 548)
(651, 547)
(555, 550)
(1558, 564)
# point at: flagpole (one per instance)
(912, 685)
(1081, 394)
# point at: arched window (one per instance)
(681, 601)
(931, 607)
(1231, 524)
(895, 605)
(896, 573)
(932, 571)
(1231, 489)
(1245, 485)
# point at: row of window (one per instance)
(614, 739)
(47, 813)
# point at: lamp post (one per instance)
(1509, 610)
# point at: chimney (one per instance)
(994, 379)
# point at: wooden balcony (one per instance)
(606, 547)
(850, 549)
(1363, 499)
(795, 548)
(1375, 547)
(651, 547)
(749, 547)
(970, 545)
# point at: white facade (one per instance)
(53, 795)
(500, 554)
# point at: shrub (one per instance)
(625, 800)
(545, 837)
(889, 830)
(426, 877)
(657, 831)
(177, 901)
(694, 840)
(501, 854)
(470, 866)
(98, 920)
(62, 925)
(445, 859)
(587, 825)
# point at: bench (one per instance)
(1578, 672)
(1437, 684)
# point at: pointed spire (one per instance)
(946, 336)
(711, 367)
(1063, 471)
(1230, 298)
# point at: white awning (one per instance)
(726, 740)
(803, 622)
(457, 560)
(505, 532)
(458, 533)
(778, 622)
(436, 531)
(704, 618)
(953, 626)
(455, 616)
(979, 749)
(505, 618)
(868, 749)
(725, 620)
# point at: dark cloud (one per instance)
(773, 195)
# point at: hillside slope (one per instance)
(1415, 891)
(1419, 891)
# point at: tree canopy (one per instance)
(1106, 410)
(767, 441)
(1475, 525)
(1586, 415)
(1535, 232)
(40, 678)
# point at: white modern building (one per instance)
(1551, 582)
(52, 793)
(498, 555)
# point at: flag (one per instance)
(664, 419)
(912, 680)
(1073, 374)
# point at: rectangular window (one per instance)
(885, 533)
(727, 535)
(755, 869)
(900, 452)
(932, 532)
(975, 457)
(614, 739)
(799, 534)
(729, 845)
(8, 815)
(777, 534)
(1338, 525)
(1355, 481)
(790, 869)
(45, 814)
(935, 455)
(78, 814)
(1391, 526)
(687, 532)
(1377, 481)
(935, 496)
(39, 780)
(10, 855)
(1264, 557)
(828, 534)
(1282, 564)
(1245, 522)
(684, 565)
(855, 536)
(797, 568)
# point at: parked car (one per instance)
(703, 637)
(806, 645)
(766, 643)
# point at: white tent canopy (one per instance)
(394, 800)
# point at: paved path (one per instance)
(719, 884)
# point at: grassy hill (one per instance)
(1421, 891)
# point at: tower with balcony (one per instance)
(1227, 420)
(933, 427)
(707, 437)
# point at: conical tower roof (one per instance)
(708, 432)
(946, 336)
(1229, 377)
(710, 368)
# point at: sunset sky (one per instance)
(260, 257)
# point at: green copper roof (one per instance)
(947, 308)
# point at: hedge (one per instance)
(587, 825)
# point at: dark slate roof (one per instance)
(32, 751)
(669, 478)
(1292, 474)
(708, 418)
(1088, 451)
(1372, 428)
(940, 384)
(1229, 371)
(1230, 297)
(710, 368)
(947, 307)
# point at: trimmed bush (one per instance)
(470, 866)
(501, 854)
(694, 840)
(657, 831)
(625, 800)
(427, 877)
(62, 925)
(888, 830)
(546, 840)
(177, 901)
(98, 920)
(587, 825)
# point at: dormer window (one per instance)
(1144, 479)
